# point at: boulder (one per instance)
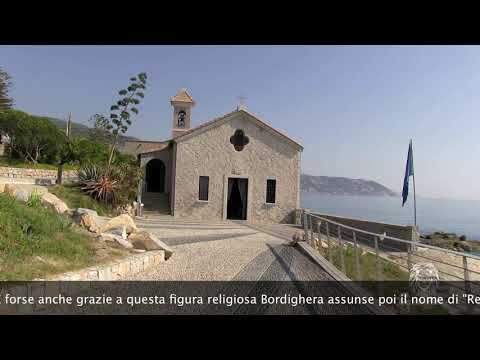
(10, 189)
(128, 209)
(18, 192)
(88, 222)
(464, 246)
(87, 218)
(119, 222)
(81, 211)
(115, 238)
(146, 241)
(295, 239)
(59, 206)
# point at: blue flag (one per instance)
(408, 173)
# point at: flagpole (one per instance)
(414, 196)
(414, 202)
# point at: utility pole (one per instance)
(68, 131)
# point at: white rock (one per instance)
(119, 222)
(59, 206)
(146, 241)
(116, 238)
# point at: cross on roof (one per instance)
(241, 104)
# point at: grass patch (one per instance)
(74, 197)
(35, 241)
(19, 163)
(389, 271)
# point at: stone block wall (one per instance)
(84, 278)
(35, 175)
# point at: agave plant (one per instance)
(89, 172)
(102, 189)
(116, 185)
(98, 183)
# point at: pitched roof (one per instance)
(220, 120)
(162, 147)
(143, 147)
(183, 96)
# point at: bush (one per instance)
(462, 238)
(34, 200)
(86, 151)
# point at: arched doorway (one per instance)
(155, 176)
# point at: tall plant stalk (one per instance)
(121, 112)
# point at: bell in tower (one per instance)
(182, 108)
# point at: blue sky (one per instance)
(354, 108)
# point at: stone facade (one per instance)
(237, 146)
(210, 153)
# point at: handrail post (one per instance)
(342, 257)
(311, 229)
(305, 224)
(328, 243)
(409, 257)
(357, 258)
(377, 259)
(466, 274)
(319, 239)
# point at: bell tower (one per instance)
(182, 108)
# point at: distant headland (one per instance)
(343, 186)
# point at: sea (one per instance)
(457, 216)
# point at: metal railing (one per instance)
(367, 256)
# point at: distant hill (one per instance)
(343, 186)
(80, 130)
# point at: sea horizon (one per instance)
(433, 214)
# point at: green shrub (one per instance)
(34, 200)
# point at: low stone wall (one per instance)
(36, 175)
(393, 230)
(115, 270)
(55, 285)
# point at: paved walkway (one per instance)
(227, 250)
(240, 254)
